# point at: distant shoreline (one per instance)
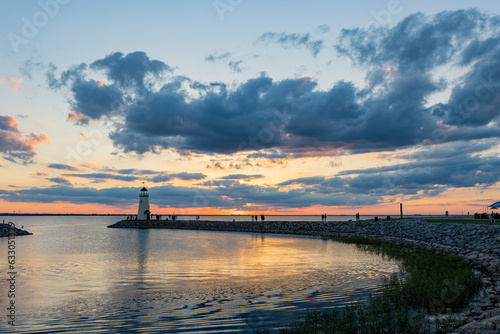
(381, 216)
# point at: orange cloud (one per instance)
(77, 117)
(34, 139)
(16, 147)
(102, 83)
(8, 123)
(15, 84)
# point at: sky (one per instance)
(249, 107)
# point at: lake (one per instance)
(76, 275)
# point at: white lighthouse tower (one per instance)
(144, 212)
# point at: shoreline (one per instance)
(476, 243)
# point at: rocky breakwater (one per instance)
(9, 229)
(479, 244)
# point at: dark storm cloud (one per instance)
(295, 118)
(94, 99)
(476, 102)
(74, 73)
(218, 121)
(293, 40)
(131, 70)
(418, 42)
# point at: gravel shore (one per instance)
(476, 243)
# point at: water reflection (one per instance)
(142, 250)
(179, 281)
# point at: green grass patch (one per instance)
(429, 283)
(359, 240)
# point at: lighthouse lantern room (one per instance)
(143, 213)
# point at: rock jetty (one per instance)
(476, 243)
(10, 230)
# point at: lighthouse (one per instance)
(143, 213)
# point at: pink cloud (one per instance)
(15, 84)
(77, 117)
(16, 147)
(8, 123)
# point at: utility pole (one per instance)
(401, 209)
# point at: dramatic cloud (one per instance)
(16, 147)
(131, 70)
(292, 117)
(130, 74)
(94, 100)
(231, 195)
(428, 172)
(417, 43)
(431, 170)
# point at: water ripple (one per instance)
(131, 281)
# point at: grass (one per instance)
(429, 284)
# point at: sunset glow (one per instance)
(234, 113)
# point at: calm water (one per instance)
(75, 275)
